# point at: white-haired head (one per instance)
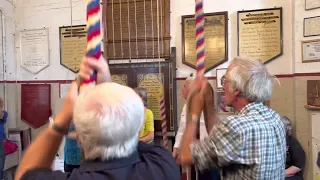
(251, 78)
(108, 119)
(185, 89)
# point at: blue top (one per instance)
(2, 130)
(72, 153)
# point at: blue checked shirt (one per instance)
(250, 145)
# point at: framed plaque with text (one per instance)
(311, 26)
(310, 51)
(260, 34)
(313, 92)
(216, 40)
(73, 44)
(312, 4)
(34, 45)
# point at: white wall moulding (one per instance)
(34, 50)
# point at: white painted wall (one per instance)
(35, 14)
(281, 65)
(300, 14)
(51, 14)
(7, 55)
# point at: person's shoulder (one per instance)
(148, 111)
(158, 159)
(232, 121)
(48, 174)
(155, 150)
(44, 173)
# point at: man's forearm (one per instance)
(187, 140)
(292, 170)
(210, 119)
(42, 151)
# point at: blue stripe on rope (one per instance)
(94, 27)
(93, 4)
(94, 51)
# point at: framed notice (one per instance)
(73, 44)
(216, 40)
(310, 51)
(35, 104)
(260, 34)
(220, 73)
(313, 92)
(34, 46)
(312, 4)
(311, 26)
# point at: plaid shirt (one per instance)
(250, 145)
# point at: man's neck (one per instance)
(240, 103)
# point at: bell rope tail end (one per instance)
(199, 15)
(93, 37)
(163, 122)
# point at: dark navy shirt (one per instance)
(2, 130)
(149, 162)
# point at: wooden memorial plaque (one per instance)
(132, 31)
(216, 39)
(120, 79)
(35, 104)
(313, 92)
(260, 34)
(73, 46)
(147, 75)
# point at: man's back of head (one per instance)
(108, 118)
(251, 78)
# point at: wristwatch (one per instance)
(57, 128)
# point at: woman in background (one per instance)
(72, 153)
(147, 129)
(3, 120)
(296, 157)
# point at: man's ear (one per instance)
(236, 92)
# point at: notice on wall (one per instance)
(260, 34)
(73, 46)
(153, 82)
(34, 45)
(120, 79)
(35, 104)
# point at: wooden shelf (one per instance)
(312, 107)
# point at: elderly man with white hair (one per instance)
(248, 145)
(107, 119)
(212, 174)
